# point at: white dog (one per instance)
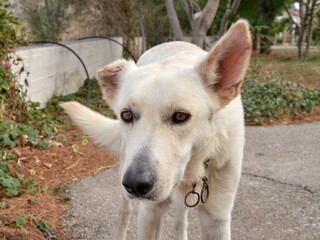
(180, 133)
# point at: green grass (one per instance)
(289, 68)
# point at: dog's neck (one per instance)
(193, 197)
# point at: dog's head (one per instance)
(166, 109)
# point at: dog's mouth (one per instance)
(150, 197)
(155, 195)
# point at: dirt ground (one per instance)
(52, 168)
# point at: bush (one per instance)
(277, 99)
(45, 19)
(21, 122)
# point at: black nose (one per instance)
(138, 183)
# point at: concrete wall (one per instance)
(53, 70)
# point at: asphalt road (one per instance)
(278, 197)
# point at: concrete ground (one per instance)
(278, 197)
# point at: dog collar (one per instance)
(204, 194)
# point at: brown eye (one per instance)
(127, 116)
(180, 117)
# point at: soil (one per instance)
(53, 167)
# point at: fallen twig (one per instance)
(104, 167)
(73, 165)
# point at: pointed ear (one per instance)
(109, 79)
(224, 67)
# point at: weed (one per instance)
(18, 221)
(66, 198)
(84, 140)
(3, 205)
(30, 185)
(43, 188)
(41, 224)
(6, 155)
(75, 148)
(32, 201)
(9, 184)
(56, 191)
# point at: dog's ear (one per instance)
(224, 67)
(109, 78)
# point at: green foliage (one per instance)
(97, 103)
(18, 221)
(56, 191)
(277, 99)
(21, 122)
(32, 201)
(30, 185)
(9, 183)
(66, 198)
(3, 205)
(46, 19)
(41, 225)
(8, 34)
(316, 31)
(261, 15)
(156, 16)
(11, 131)
(10, 94)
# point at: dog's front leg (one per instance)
(181, 225)
(123, 221)
(214, 228)
(150, 220)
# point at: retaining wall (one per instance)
(53, 70)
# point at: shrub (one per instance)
(45, 19)
(277, 99)
(20, 121)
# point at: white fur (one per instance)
(169, 78)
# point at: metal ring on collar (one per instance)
(188, 195)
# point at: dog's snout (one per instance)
(138, 184)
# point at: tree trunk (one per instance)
(255, 40)
(174, 21)
(301, 38)
(202, 23)
(309, 29)
(265, 47)
(230, 11)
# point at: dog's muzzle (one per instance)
(138, 183)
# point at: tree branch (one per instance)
(188, 8)
(230, 11)
(291, 18)
(174, 21)
(202, 23)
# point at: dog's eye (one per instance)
(127, 116)
(180, 117)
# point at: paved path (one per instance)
(278, 197)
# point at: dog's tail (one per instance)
(101, 129)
